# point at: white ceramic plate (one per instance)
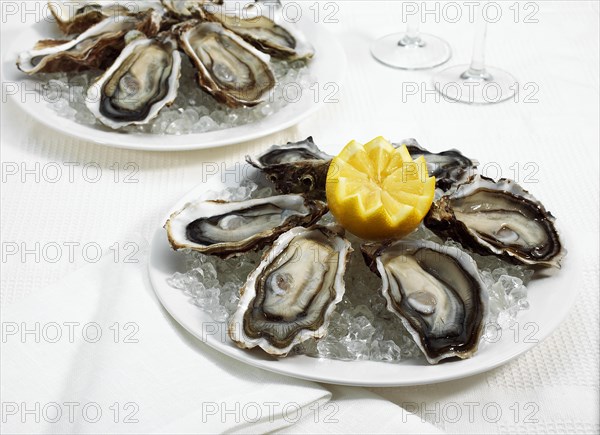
(550, 300)
(328, 66)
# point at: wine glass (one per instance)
(411, 50)
(476, 83)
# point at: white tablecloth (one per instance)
(551, 389)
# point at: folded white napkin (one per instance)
(154, 378)
(356, 411)
(96, 353)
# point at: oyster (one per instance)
(448, 167)
(436, 292)
(97, 47)
(291, 295)
(274, 36)
(142, 81)
(75, 18)
(230, 69)
(186, 9)
(498, 218)
(229, 228)
(291, 152)
(297, 167)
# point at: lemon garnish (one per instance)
(377, 191)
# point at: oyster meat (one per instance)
(436, 292)
(225, 229)
(73, 18)
(274, 35)
(449, 168)
(142, 81)
(297, 167)
(97, 47)
(230, 69)
(291, 295)
(498, 218)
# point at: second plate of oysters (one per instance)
(170, 75)
(256, 267)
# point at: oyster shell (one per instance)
(229, 228)
(449, 168)
(142, 81)
(273, 35)
(97, 47)
(498, 218)
(436, 292)
(230, 69)
(290, 296)
(297, 167)
(74, 18)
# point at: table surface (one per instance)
(550, 134)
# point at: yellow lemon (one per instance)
(377, 191)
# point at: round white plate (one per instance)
(550, 300)
(328, 66)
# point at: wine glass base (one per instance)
(494, 86)
(429, 52)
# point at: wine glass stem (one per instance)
(477, 67)
(412, 37)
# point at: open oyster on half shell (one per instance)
(229, 68)
(297, 167)
(291, 295)
(143, 80)
(291, 152)
(265, 28)
(97, 47)
(225, 228)
(73, 17)
(450, 168)
(436, 292)
(499, 218)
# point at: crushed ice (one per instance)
(194, 111)
(361, 328)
